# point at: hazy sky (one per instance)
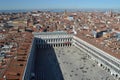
(40, 4)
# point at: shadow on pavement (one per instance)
(46, 63)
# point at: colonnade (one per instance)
(53, 45)
(47, 43)
(104, 60)
(53, 39)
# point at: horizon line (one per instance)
(63, 9)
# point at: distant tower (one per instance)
(29, 23)
(111, 14)
(74, 30)
(65, 13)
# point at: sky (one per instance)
(61, 4)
